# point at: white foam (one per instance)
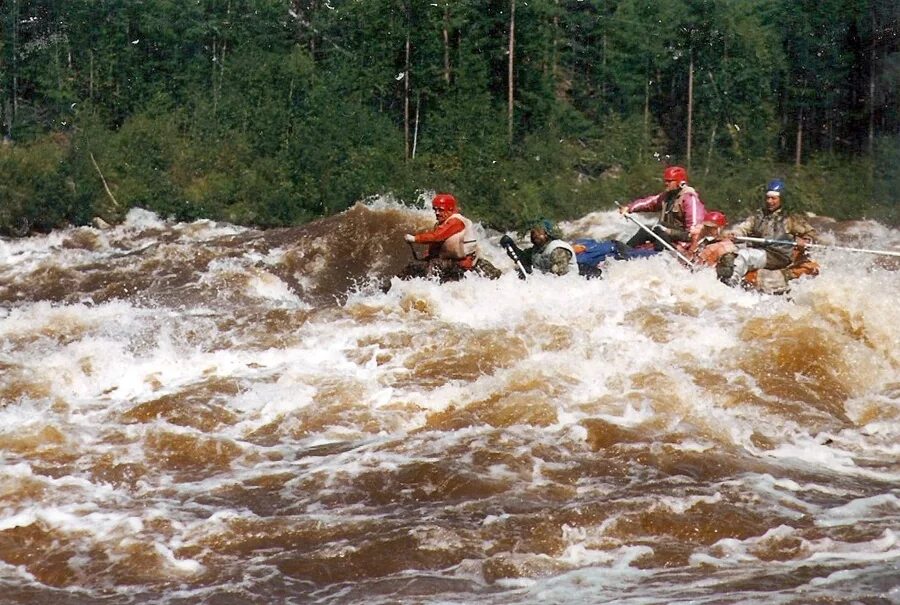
(815, 453)
(650, 345)
(883, 548)
(140, 219)
(185, 566)
(680, 505)
(874, 507)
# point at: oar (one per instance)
(413, 250)
(761, 240)
(669, 246)
(520, 268)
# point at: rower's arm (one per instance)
(744, 228)
(441, 232)
(800, 228)
(651, 203)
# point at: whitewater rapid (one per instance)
(205, 413)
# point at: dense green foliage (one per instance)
(274, 112)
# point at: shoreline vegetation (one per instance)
(274, 112)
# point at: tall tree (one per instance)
(511, 87)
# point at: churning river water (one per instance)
(203, 413)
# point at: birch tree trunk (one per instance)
(709, 153)
(646, 107)
(603, 63)
(872, 57)
(798, 153)
(91, 78)
(554, 59)
(690, 109)
(416, 128)
(447, 43)
(406, 99)
(14, 93)
(215, 89)
(218, 62)
(512, 46)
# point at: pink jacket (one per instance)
(686, 212)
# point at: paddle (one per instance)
(671, 248)
(413, 250)
(513, 252)
(761, 240)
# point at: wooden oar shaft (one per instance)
(671, 248)
(414, 253)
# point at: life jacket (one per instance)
(542, 261)
(460, 245)
(805, 267)
(671, 212)
(772, 225)
(709, 252)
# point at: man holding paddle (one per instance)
(452, 246)
(548, 252)
(680, 211)
(788, 237)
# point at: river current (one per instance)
(205, 413)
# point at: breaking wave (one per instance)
(205, 413)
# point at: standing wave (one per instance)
(206, 413)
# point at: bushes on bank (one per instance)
(53, 181)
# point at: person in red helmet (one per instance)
(452, 246)
(709, 245)
(680, 211)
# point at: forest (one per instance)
(276, 112)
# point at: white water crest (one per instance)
(208, 413)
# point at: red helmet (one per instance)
(675, 173)
(714, 218)
(445, 202)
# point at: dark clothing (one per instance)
(776, 226)
(558, 261)
(561, 260)
(447, 269)
(668, 235)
